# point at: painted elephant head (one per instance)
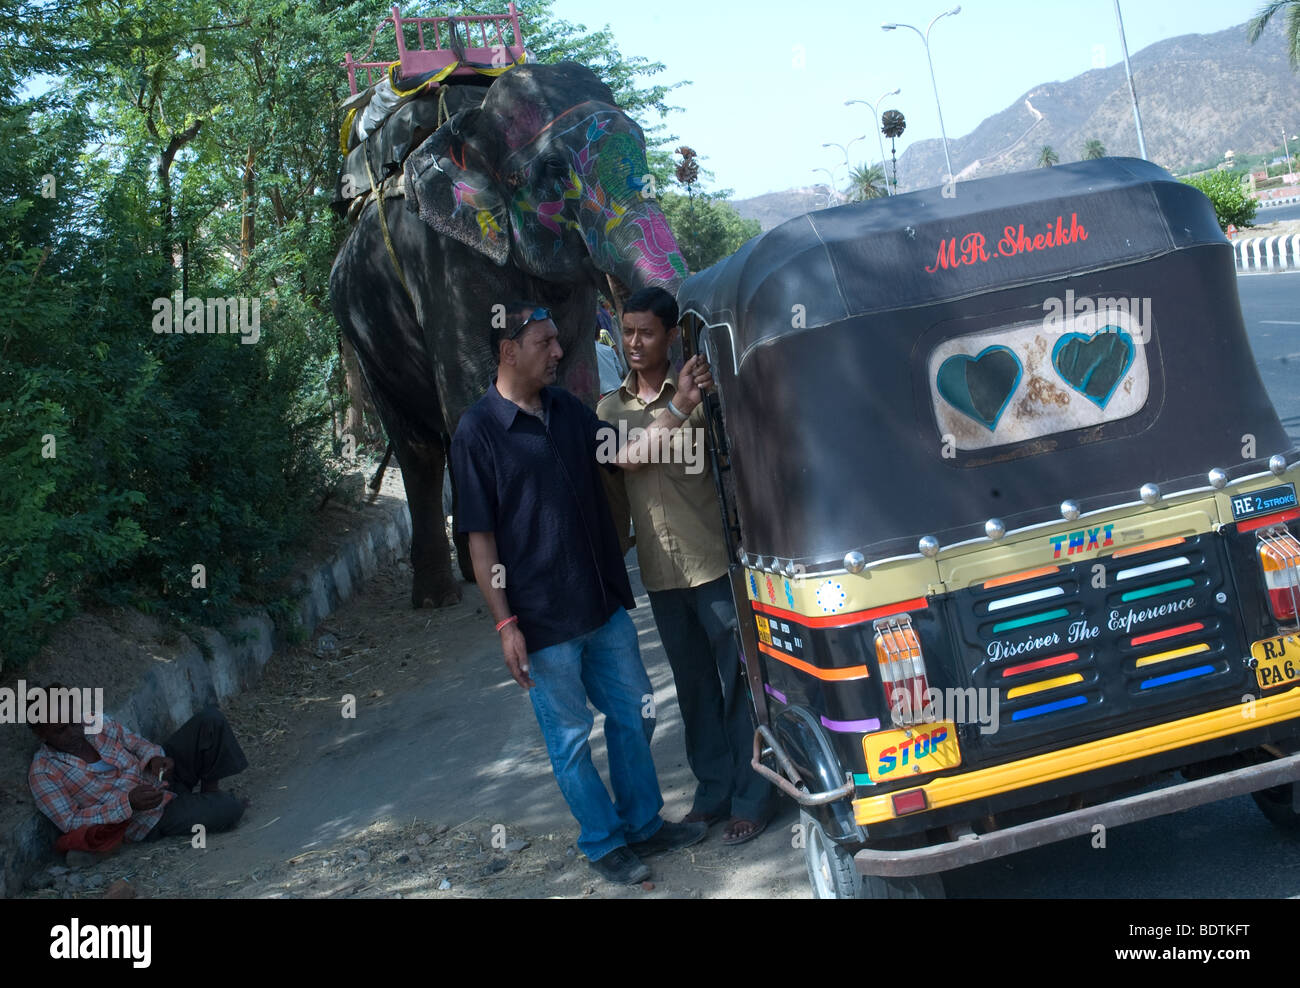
(550, 175)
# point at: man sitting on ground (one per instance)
(116, 776)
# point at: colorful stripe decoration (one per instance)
(1250, 524)
(1177, 653)
(1155, 591)
(1055, 660)
(851, 726)
(1133, 550)
(1157, 567)
(1155, 636)
(1025, 598)
(1047, 708)
(840, 620)
(1175, 677)
(1028, 574)
(1043, 685)
(826, 675)
(1031, 619)
(775, 693)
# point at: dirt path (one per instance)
(439, 786)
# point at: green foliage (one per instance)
(194, 147)
(1093, 149)
(867, 182)
(707, 228)
(1047, 156)
(1291, 29)
(1231, 204)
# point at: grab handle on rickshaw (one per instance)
(792, 786)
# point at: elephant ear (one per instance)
(451, 185)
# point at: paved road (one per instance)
(1270, 304)
(1277, 213)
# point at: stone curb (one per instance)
(1275, 253)
(170, 693)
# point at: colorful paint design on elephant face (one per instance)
(605, 178)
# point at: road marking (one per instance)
(1281, 322)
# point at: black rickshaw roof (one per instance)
(848, 346)
(875, 255)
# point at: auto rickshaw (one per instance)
(1013, 522)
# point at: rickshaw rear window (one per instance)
(1082, 364)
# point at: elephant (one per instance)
(541, 192)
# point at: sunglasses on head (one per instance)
(539, 314)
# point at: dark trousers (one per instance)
(204, 750)
(698, 629)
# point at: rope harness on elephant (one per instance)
(378, 193)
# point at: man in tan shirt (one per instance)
(683, 561)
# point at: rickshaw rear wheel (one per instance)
(833, 875)
(1276, 804)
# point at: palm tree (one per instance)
(1093, 149)
(1047, 157)
(1292, 29)
(866, 182)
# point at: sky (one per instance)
(769, 79)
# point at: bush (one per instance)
(1231, 204)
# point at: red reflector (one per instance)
(909, 802)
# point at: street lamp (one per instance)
(833, 195)
(845, 150)
(1287, 148)
(875, 115)
(925, 40)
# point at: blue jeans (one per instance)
(605, 666)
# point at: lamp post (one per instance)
(1287, 147)
(925, 40)
(875, 115)
(1132, 90)
(833, 195)
(845, 150)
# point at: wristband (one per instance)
(677, 411)
(510, 620)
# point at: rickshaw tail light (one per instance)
(902, 668)
(1279, 558)
(912, 801)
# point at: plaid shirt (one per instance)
(73, 796)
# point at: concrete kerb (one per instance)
(169, 693)
(1276, 253)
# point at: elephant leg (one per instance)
(460, 538)
(422, 463)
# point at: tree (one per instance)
(1291, 30)
(867, 182)
(1093, 149)
(708, 232)
(1231, 204)
(1047, 157)
(194, 147)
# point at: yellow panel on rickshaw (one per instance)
(901, 754)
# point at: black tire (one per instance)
(1276, 804)
(833, 875)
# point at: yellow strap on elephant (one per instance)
(378, 193)
(497, 70)
(346, 132)
(442, 74)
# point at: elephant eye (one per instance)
(554, 165)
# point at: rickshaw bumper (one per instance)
(972, 848)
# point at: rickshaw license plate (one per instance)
(1277, 660)
(894, 755)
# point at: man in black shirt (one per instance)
(546, 557)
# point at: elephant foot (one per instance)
(438, 592)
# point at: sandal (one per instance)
(729, 836)
(707, 818)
